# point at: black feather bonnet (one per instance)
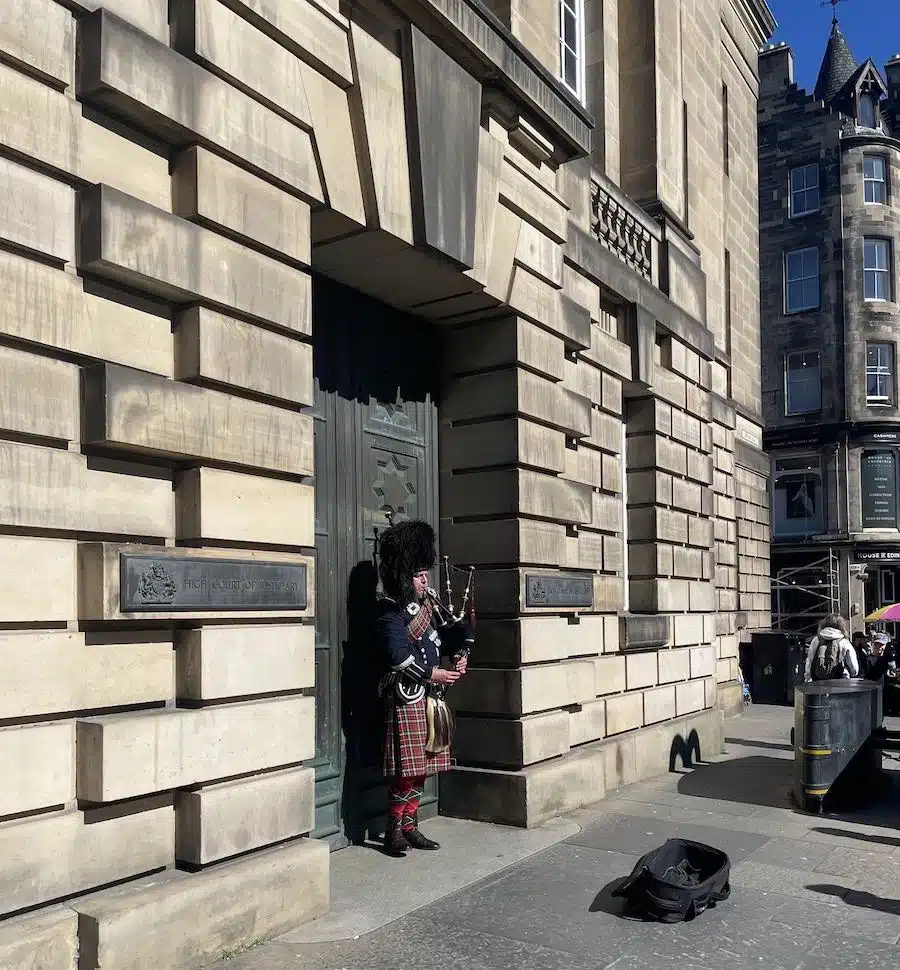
(404, 550)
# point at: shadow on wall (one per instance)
(756, 780)
(363, 790)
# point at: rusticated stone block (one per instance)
(130, 73)
(36, 212)
(511, 744)
(587, 722)
(220, 821)
(37, 764)
(659, 704)
(47, 488)
(688, 630)
(624, 712)
(506, 342)
(100, 582)
(46, 940)
(640, 670)
(51, 414)
(517, 391)
(53, 673)
(509, 441)
(48, 52)
(151, 16)
(609, 675)
(53, 856)
(137, 244)
(527, 640)
(48, 307)
(537, 300)
(526, 797)
(674, 665)
(143, 412)
(540, 254)
(690, 697)
(186, 747)
(212, 191)
(659, 595)
(528, 690)
(221, 351)
(224, 505)
(180, 921)
(516, 491)
(703, 662)
(309, 30)
(216, 662)
(504, 541)
(545, 209)
(41, 123)
(43, 580)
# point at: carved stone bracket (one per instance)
(619, 231)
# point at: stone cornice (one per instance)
(508, 64)
(757, 18)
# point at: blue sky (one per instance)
(872, 28)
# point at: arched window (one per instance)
(866, 111)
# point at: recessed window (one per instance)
(726, 130)
(880, 375)
(875, 172)
(866, 111)
(803, 382)
(571, 45)
(801, 280)
(797, 507)
(877, 269)
(804, 190)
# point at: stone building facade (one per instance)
(270, 269)
(829, 222)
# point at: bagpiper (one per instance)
(417, 664)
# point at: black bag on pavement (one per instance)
(677, 881)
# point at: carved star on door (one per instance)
(393, 490)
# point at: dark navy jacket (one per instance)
(414, 660)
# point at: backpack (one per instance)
(820, 669)
(677, 881)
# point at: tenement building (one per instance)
(274, 270)
(830, 236)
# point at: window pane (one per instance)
(570, 29)
(874, 167)
(570, 69)
(866, 111)
(798, 501)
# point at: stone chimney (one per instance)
(892, 73)
(776, 68)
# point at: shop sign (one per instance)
(878, 478)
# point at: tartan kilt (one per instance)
(405, 735)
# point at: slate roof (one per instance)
(838, 65)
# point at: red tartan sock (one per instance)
(401, 792)
(412, 803)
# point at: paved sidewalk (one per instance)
(808, 893)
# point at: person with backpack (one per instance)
(831, 655)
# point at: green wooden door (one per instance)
(376, 373)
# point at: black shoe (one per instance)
(395, 842)
(415, 840)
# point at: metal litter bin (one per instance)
(833, 725)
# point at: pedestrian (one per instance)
(830, 655)
(874, 662)
(411, 652)
(862, 645)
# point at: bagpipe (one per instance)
(438, 715)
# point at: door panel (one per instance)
(376, 451)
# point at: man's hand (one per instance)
(462, 665)
(441, 676)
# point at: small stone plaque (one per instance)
(191, 584)
(552, 590)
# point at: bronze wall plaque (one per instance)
(562, 591)
(182, 584)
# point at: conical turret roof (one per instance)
(838, 65)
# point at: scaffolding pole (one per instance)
(822, 594)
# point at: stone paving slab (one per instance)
(808, 892)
